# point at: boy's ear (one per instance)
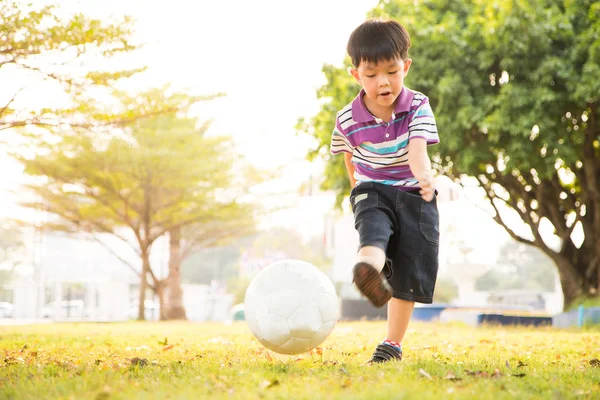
(354, 73)
(407, 65)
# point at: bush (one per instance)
(586, 302)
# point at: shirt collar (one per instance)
(360, 113)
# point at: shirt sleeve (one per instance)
(339, 142)
(423, 124)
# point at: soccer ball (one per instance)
(291, 306)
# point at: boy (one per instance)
(384, 135)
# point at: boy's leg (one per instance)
(414, 261)
(399, 312)
(374, 220)
(398, 317)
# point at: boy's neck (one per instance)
(382, 113)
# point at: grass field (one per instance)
(216, 361)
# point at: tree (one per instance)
(226, 223)
(515, 89)
(62, 52)
(158, 176)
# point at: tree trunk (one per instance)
(143, 286)
(569, 282)
(578, 265)
(175, 308)
(160, 292)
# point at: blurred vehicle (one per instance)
(6, 309)
(518, 298)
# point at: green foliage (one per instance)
(515, 90)
(587, 302)
(64, 51)
(461, 51)
(340, 89)
(446, 290)
(495, 70)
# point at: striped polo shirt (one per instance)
(380, 149)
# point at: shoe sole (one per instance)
(371, 283)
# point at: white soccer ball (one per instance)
(291, 306)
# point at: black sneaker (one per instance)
(384, 353)
(372, 284)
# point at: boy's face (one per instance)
(382, 82)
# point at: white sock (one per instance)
(371, 260)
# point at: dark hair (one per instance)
(376, 40)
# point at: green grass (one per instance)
(216, 361)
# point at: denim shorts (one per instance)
(406, 227)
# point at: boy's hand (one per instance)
(420, 166)
(427, 190)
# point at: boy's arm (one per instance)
(420, 166)
(350, 168)
(340, 143)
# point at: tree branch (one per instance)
(3, 110)
(155, 280)
(38, 122)
(72, 215)
(7, 61)
(46, 74)
(517, 192)
(490, 194)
